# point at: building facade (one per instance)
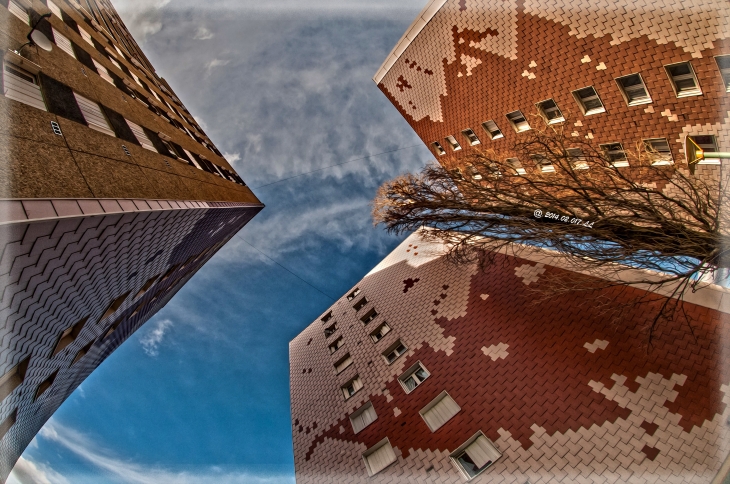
(111, 198)
(474, 74)
(432, 372)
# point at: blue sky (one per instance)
(200, 393)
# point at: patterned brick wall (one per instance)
(477, 60)
(58, 266)
(565, 393)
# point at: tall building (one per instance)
(476, 74)
(432, 372)
(112, 197)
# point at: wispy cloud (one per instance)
(151, 341)
(28, 472)
(128, 471)
(216, 63)
(232, 157)
(203, 34)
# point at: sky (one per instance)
(200, 394)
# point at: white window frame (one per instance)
(353, 294)
(546, 167)
(577, 158)
(626, 94)
(516, 165)
(343, 363)
(21, 89)
(362, 417)
(518, 126)
(438, 148)
(330, 330)
(379, 330)
(724, 71)
(335, 345)
(499, 134)
(546, 111)
(356, 384)
(390, 457)
(369, 316)
(393, 350)
(441, 403)
(360, 304)
(103, 72)
(192, 159)
(454, 456)
(471, 136)
(680, 92)
(20, 11)
(93, 115)
(114, 61)
(141, 136)
(86, 36)
(55, 10)
(63, 43)
(411, 372)
(618, 163)
(664, 160)
(453, 143)
(582, 100)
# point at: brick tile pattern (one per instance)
(565, 394)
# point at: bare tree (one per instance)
(598, 208)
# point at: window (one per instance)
(19, 11)
(13, 378)
(379, 456)
(471, 136)
(141, 136)
(550, 111)
(395, 351)
(82, 352)
(439, 411)
(22, 86)
(329, 331)
(68, 336)
(146, 286)
(708, 144)
(86, 36)
(491, 128)
(588, 101)
(475, 175)
(8, 422)
(577, 158)
(378, 334)
(363, 417)
(518, 121)
(336, 345)
(114, 61)
(116, 304)
(543, 163)
(103, 72)
(454, 144)
(63, 43)
(369, 316)
(352, 387)
(343, 363)
(360, 304)
(93, 115)
(516, 165)
(413, 377)
(475, 456)
(633, 89)
(438, 148)
(615, 154)
(723, 63)
(54, 10)
(192, 158)
(327, 317)
(45, 385)
(136, 79)
(353, 294)
(659, 151)
(113, 327)
(683, 79)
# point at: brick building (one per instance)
(111, 198)
(474, 74)
(431, 372)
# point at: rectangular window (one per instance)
(439, 411)
(723, 63)
(372, 314)
(577, 158)
(380, 332)
(327, 317)
(329, 331)
(550, 111)
(343, 363)
(63, 43)
(352, 387)
(379, 456)
(141, 136)
(45, 385)
(363, 417)
(683, 79)
(103, 72)
(438, 148)
(475, 456)
(54, 9)
(516, 165)
(360, 304)
(93, 115)
(588, 101)
(136, 79)
(471, 136)
(353, 294)
(454, 144)
(86, 36)
(633, 89)
(708, 144)
(491, 128)
(518, 121)
(19, 11)
(543, 163)
(68, 336)
(395, 351)
(413, 377)
(22, 86)
(192, 158)
(336, 345)
(659, 151)
(615, 154)
(13, 378)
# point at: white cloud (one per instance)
(131, 472)
(28, 472)
(232, 157)
(151, 341)
(203, 34)
(216, 63)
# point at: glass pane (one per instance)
(421, 374)
(410, 383)
(468, 465)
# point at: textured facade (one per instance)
(111, 198)
(512, 387)
(620, 72)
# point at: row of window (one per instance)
(632, 87)
(24, 86)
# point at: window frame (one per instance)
(618, 163)
(500, 134)
(409, 373)
(514, 124)
(697, 91)
(360, 304)
(392, 349)
(19, 74)
(356, 292)
(543, 112)
(520, 170)
(440, 151)
(660, 162)
(580, 101)
(338, 364)
(335, 343)
(19, 8)
(430, 405)
(352, 381)
(725, 78)
(384, 324)
(455, 146)
(358, 413)
(471, 136)
(547, 167)
(625, 94)
(374, 449)
(461, 450)
(370, 316)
